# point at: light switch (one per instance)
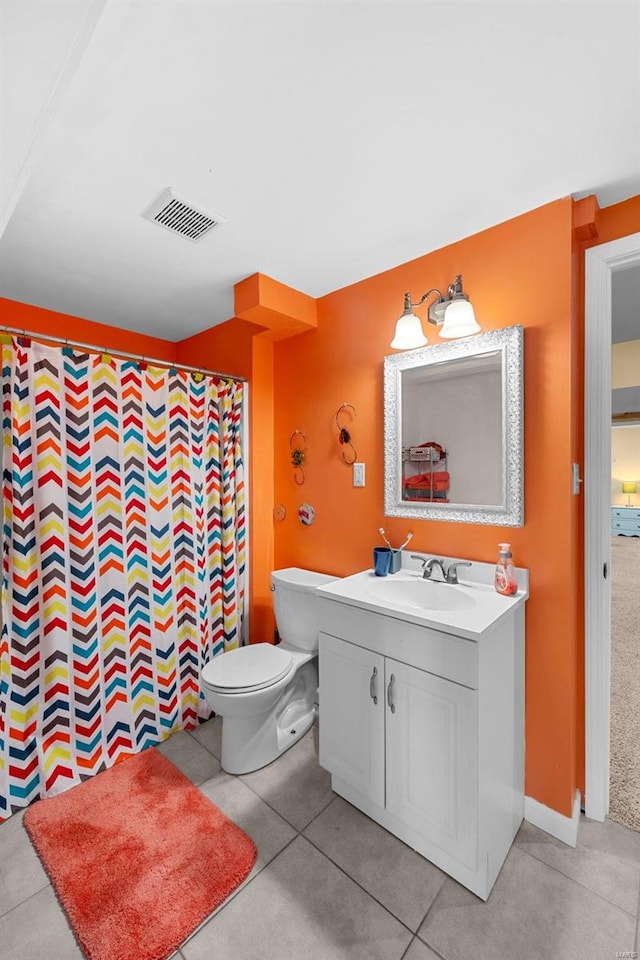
(358, 474)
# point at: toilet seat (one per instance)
(247, 668)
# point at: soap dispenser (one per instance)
(505, 579)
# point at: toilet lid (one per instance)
(253, 667)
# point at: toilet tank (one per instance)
(295, 604)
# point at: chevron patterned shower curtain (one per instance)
(123, 547)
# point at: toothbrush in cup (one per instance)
(384, 537)
(406, 542)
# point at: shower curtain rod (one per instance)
(95, 348)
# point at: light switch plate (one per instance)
(358, 475)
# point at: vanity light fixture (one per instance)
(453, 313)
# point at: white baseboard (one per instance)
(561, 827)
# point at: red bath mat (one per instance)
(138, 857)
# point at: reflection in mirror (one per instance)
(453, 430)
(439, 403)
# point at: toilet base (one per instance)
(249, 743)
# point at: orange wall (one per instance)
(76, 329)
(227, 347)
(517, 272)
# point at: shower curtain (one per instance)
(123, 549)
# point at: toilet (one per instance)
(266, 695)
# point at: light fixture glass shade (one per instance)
(459, 320)
(408, 333)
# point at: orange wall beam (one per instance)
(283, 311)
(585, 218)
(261, 557)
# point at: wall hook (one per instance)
(297, 457)
(344, 437)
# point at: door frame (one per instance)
(601, 262)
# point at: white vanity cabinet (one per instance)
(424, 732)
(352, 731)
(404, 739)
(431, 758)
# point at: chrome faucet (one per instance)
(428, 565)
(450, 575)
(452, 570)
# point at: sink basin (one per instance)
(469, 609)
(422, 594)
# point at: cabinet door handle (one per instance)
(392, 705)
(372, 686)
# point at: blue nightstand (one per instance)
(625, 521)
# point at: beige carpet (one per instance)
(624, 802)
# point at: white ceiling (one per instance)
(338, 138)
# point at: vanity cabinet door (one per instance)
(432, 758)
(352, 715)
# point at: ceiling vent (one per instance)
(174, 212)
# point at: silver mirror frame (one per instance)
(509, 341)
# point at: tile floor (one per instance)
(331, 884)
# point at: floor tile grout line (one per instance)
(409, 945)
(191, 734)
(358, 884)
(437, 953)
(300, 833)
(429, 909)
(61, 908)
(440, 956)
(240, 776)
(272, 808)
(281, 815)
(440, 888)
(235, 893)
(572, 879)
(219, 909)
(319, 814)
(421, 941)
(27, 899)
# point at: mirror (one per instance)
(453, 431)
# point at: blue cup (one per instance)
(381, 561)
(396, 561)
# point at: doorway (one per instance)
(601, 263)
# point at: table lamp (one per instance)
(629, 487)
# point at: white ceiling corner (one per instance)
(36, 73)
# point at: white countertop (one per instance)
(483, 609)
